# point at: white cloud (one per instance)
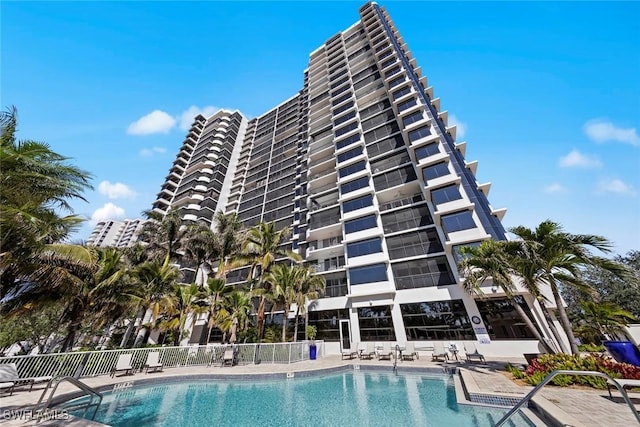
(117, 190)
(461, 127)
(555, 188)
(579, 160)
(187, 116)
(108, 211)
(148, 152)
(599, 130)
(616, 186)
(155, 122)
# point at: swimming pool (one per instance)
(354, 398)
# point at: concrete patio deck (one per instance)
(570, 407)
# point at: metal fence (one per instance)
(93, 363)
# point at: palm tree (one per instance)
(214, 292)
(199, 247)
(309, 287)
(228, 231)
(90, 282)
(558, 257)
(284, 281)
(490, 261)
(164, 235)
(157, 280)
(36, 184)
(606, 319)
(235, 305)
(261, 247)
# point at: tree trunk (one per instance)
(552, 326)
(531, 326)
(67, 344)
(260, 316)
(564, 319)
(295, 326)
(285, 319)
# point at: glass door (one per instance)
(345, 335)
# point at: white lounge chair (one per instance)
(9, 375)
(153, 362)
(7, 387)
(624, 383)
(123, 364)
(351, 352)
(439, 352)
(410, 351)
(369, 352)
(385, 353)
(472, 353)
(228, 358)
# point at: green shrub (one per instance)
(591, 348)
(514, 370)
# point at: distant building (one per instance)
(119, 234)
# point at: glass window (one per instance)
(396, 81)
(344, 118)
(446, 194)
(402, 92)
(347, 128)
(394, 178)
(327, 323)
(381, 132)
(348, 170)
(341, 99)
(376, 324)
(414, 244)
(385, 145)
(502, 320)
(349, 154)
(455, 251)
(350, 140)
(360, 224)
(435, 171)
(419, 133)
(364, 247)
(427, 150)
(412, 118)
(368, 274)
(437, 320)
(405, 219)
(359, 203)
(354, 185)
(458, 221)
(407, 104)
(422, 273)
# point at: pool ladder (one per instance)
(95, 398)
(554, 374)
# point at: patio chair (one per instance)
(472, 353)
(624, 383)
(410, 352)
(153, 362)
(351, 352)
(229, 356)
(439, 352)
(9, 375)
(7, 387)
(369, 352)
(123, 364)
(385, 353)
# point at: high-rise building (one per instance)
(364, 168)
(119, 234)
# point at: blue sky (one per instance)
(547, 95)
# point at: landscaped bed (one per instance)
(540, 367)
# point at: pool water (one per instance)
(358, 398)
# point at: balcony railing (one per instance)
(325, 243)
(401, 202)
(328, 264)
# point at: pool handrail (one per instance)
(554, 374)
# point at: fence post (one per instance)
(289, 353)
